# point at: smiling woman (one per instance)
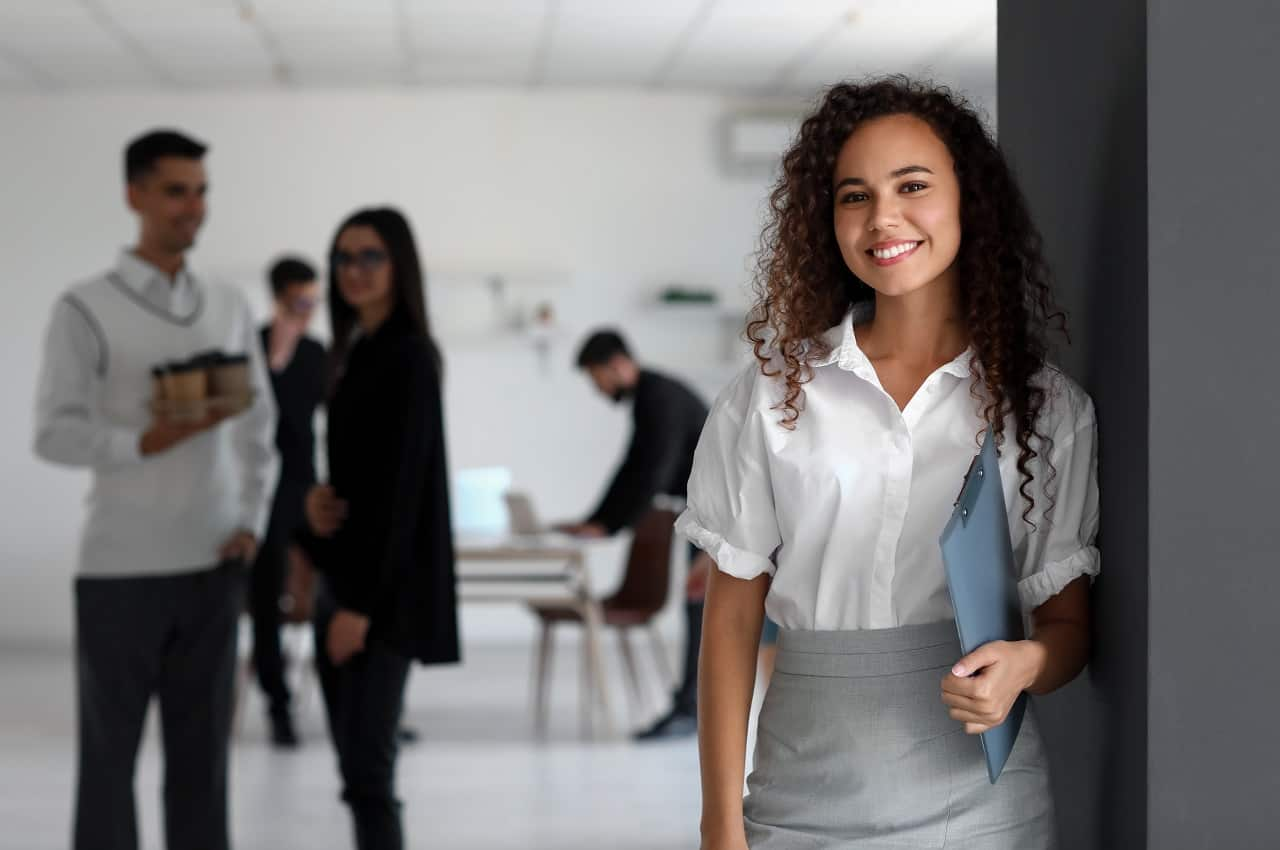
(903, 307)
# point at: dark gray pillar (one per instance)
(1145, 136)
(1072, 105)
(1214, 171)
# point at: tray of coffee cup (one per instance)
(196, 410)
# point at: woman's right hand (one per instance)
(325, 511)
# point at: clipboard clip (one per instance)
(970, 488)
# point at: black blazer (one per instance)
(393, 558)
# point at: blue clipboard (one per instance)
(978, 556)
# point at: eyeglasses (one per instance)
(367, 260)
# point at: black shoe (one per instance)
(283, 735)
(676, 724)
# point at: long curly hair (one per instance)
(803, 286)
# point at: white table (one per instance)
(537, 570)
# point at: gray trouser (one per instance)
(171, 636)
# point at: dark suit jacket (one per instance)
(668, 419)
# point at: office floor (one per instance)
(478, 780)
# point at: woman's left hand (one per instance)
(983, 685)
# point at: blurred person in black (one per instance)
(379, 529)
(667, 422)
(297, 366)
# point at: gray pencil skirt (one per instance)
(856, 750)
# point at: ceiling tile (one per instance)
(492, 43)
(332, 33)
(746, 43)
(74, 49)
(731, 46)
(605, 43)
(906, 37)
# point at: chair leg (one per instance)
(593, 626)
(637, 706)
(660, 656)
(586, 688)
(541, 682)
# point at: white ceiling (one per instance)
(760, 47)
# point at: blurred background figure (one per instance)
(380, 527)
(667, 419)
(178, 502)
(297, 367)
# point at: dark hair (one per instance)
(141, 155)
(287, 271)
(600, 348)
(406, 283)
(803, 285)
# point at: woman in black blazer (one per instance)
(380, 530)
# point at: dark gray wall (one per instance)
(1072, 106)
(1214, 174)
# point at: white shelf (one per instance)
(696, 310)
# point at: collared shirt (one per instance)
(845, 511)
(170, 512)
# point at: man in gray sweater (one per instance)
(175, 508)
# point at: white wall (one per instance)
(610, 196)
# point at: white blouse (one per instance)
(845, 511)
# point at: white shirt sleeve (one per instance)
(69, 427)
(730, 513)
(1062, 547)
(254, 435)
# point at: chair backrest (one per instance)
(648, 575)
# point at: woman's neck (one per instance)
(373, 316)
(921, 328)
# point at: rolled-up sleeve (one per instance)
(1063, 547)
(730, 513)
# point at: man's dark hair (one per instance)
(142, 153)
(600, 348)
(287, 271)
